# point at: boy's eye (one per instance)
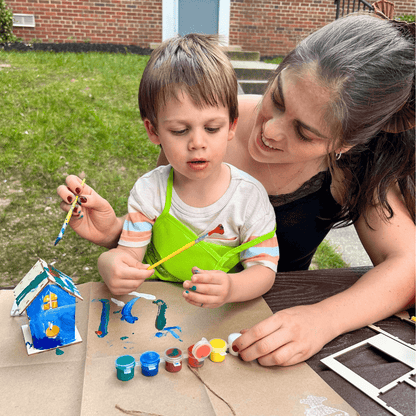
(179, 132)
(212, 129)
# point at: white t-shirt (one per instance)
(244, 210)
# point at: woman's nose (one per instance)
(274, 129)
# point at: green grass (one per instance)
(326, 257)
(61, 114)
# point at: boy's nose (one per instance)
(197, 141)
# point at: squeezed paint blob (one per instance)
(161, 310)
(123, 338)
(102, 330)
(126, 312)
(59, 352)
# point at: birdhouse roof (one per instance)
(39, 276)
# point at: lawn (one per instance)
(65, 113)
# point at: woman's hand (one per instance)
(288, 337)
(208, 288)
(121, 271)
(93, 219)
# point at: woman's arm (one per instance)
(94, 219)
(295, 334)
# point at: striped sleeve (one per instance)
(137, 230)
(265, 254)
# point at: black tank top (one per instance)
(303, 219)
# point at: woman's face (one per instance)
(290, 127)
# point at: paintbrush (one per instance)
(219, 229)
(68, 217)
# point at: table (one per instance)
(307, 287)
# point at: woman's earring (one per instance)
(338, 155)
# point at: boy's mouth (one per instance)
(198, 164)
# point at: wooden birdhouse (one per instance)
(48, 296)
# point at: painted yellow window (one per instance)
(50, 301)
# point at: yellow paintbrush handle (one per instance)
(171, 255)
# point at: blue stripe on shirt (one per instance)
(137, 226)
(258, 251)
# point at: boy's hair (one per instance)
(194, 64)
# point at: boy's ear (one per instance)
(151, 131)
(233, 128)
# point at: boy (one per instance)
(188, 103)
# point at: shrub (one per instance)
(409, 18)
(6, 24)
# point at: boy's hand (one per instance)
(93, 219)
(208, 288)
(121, 272)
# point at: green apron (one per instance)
(169, 234)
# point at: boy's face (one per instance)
(193, 139)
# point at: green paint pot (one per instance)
(125, 367)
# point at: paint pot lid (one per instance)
(126, 360)
(202, 349)
(173, 353)
(149, 357)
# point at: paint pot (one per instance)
(173, 359)
(231, 339)
(149, 362)
(192, 361)
(125, 367)
(202, 349)
(219, 348)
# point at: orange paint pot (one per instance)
(192, 361)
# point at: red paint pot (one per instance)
(173, 360)
(192, 361)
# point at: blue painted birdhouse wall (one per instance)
(52, 318)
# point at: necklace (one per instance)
(287, 184)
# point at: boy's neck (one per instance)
(204, 192)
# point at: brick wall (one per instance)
(128, 22)
(269, 26)
(275, 27)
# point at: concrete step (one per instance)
(253, 70)
(253, 87)
(243, 55)
(253, 76)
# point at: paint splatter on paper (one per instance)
(170, 330)
(126, 312)
(161, 311)
(102, 330)
(59, 352)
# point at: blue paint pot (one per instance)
(125, 367)
(149, 361)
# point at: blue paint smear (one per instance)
(59, 352)
(116, 311)
(170, 330)
(126, 312)
(102, 330)
(123, 338)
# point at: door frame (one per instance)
(170, 19)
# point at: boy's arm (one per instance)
(122, 269)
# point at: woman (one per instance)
(332, 141)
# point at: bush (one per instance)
(409, 18)
(6, 24)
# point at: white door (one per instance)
(200, 16)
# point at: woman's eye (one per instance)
(277, 103)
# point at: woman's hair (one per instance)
(194, 64)
(368, 65)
